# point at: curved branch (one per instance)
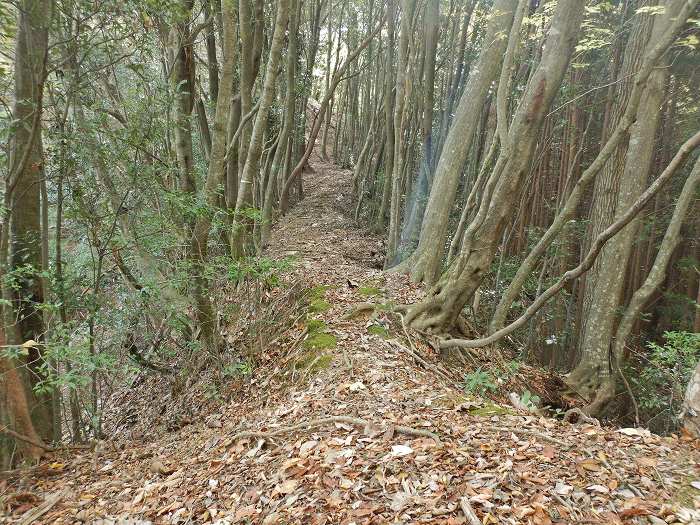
(590, 257)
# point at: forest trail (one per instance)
(353, 420)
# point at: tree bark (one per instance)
(22, 197)
(242, 227)
(215, 177)
(444, 302)
(424, 263)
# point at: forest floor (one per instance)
(349, 419)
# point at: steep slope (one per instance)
(351, 419)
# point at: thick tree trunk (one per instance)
(570, 207)
(618, 187)
(15, 413)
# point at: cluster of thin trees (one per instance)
(520, 156)
(538, 154)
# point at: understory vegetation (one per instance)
(531, 165)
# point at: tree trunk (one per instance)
(243, 227)
(215, 177)
(415, 207)
(424, 263)
(22, 196)
(183, 86)
(445, 300)
(690, 417)
(277, 170)
(619, 186)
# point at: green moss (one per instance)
(490, 409)
(379, 330)
(451, 401)
(313, 361)
(318, 292)
(315, 325)
(369, 291)
(319, 305)
(320, 340)
(686, 493)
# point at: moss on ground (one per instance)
(369, 291)
(313, 361)
(315, 325)
(490, 409)
(686, 493)
(319, 305)
(379, 330)
(320, 341)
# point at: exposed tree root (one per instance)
(536, 434)
(22, 437)
(34, 514)
(359, 309)
(576, 415)
(348, 420)
(412, 352)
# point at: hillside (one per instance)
(350, 418)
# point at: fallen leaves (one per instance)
(505, 468)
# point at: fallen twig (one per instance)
(469, 512)
(349, 420)
(34, 514)
(538, 435)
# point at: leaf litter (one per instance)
(383, 434)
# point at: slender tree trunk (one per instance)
(277, 171)
(242, 227)
(424, 263)
(400, 116)
(444, 302)
(415, 207)
(22, 196)
(389, 131)
(183, 85)
(215, 176)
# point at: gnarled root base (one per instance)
(595, 383)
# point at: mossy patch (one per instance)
(320, 341)
(319, 305)
(313, 361)
(451, 401)
(489, 409)
(686, 493)
(318, 292)
(379, 330)
(369, 291)
(315, 325)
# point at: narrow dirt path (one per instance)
(345, 421)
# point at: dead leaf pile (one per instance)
(239, 464)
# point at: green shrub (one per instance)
(665, 371)
(478, 382)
